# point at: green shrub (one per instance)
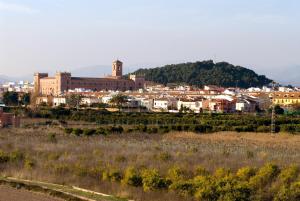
(263, 129)
(77, 131)
(89, 132)
(289, 174)
(112, 175)
(132, 177)
(152, 180)
(176, 174)
(4, 158)
(68, 130)
(201, 171)
(16, 156)
(245, 173)
(28, 164)
(288, 193)
(184, 188)
(164, 156)
(52, 138)
(265, 175)
(101, 131)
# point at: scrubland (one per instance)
(172, 166)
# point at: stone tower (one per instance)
(37, 84)
(117, 68)
(63, 82)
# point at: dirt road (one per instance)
(12, 194)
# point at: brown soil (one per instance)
(12, 194)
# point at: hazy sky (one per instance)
(44, 35)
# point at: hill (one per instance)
(205, 73)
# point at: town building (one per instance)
(285, 98)
(8, 119)
(62, 82)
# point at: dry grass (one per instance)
(79, 160)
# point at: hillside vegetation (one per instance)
(205, 73)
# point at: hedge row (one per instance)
(266, 183)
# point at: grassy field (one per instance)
(48, 154)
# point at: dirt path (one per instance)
(11, 194)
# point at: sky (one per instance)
(58, 35)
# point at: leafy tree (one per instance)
(205, 73)
(118, 100)
(279, 110)
(26, 99)
(74, 100)
(11, 98)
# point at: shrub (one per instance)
(112, 175)
(16, 156)
(77, 131)
(68, 130)
(264, 176)
(176, 174)
(132, 177)
(165, 156)
(184, 188)
(263, 129)
(29, 164)
(89, 132)
(245, 173)
(101, 131)
(4, 158)
(222, 172)
(289, 174)
(152, 180)
(201, 171)
(52, 138)
(288, 193)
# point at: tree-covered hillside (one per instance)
(205, 73)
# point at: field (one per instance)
(100, 163)
(12, 194)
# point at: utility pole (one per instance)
(273, 115)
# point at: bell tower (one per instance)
(117, 68)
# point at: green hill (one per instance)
(205, 73)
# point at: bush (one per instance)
(201, 171)
(165, 156)
(176, 174)
(245, 173)
(89, 132)
(77, 131)
(264, 176)
(132, 177)
(152, 180)
(289, 174)
(263, 129)
(68, 130)
(4, 158)
(101, 131)
(52, 138)
(112, 175)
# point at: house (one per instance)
(89, 101)
(246, 104)
(195, 105)
(222, 104)
(165, 103)
(285, 98)
(57, 101)
(8, 119)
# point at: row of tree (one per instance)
(15, 99)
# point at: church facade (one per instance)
(63, 81)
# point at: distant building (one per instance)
(286, 98)
(63, 82)
(8, 119)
